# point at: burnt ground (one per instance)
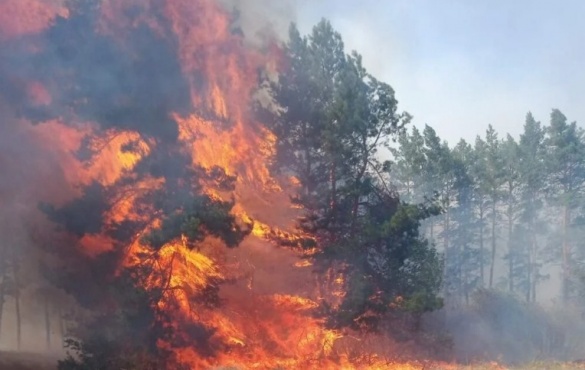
(27, 361)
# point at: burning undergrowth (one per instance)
(148, 168)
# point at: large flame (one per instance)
(266, 318)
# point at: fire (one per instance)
(262, 323)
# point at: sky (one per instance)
(459, 65)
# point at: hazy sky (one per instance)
(460, 65)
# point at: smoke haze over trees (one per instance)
(512, 208)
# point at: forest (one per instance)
(512, 208)
(406, 236)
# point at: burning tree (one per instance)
(144, 109)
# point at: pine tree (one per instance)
(478, 170)
(566, 167)
(510, 158)
(466, 231)
(439, 174)
(361, 228)
(407, 166)
(532, 182)
(492, 181)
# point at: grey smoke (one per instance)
(261, 20)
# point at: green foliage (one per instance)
(408, 164)
(565, 164)
(202, 217)
(335, 117)
(520, 200)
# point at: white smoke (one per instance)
(263, 20)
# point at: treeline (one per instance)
(513, 210)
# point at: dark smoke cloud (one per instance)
(134, 85)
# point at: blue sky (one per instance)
(460, 65)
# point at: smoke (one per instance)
(24, 165)
(263, 20)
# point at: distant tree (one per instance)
(11, 284)
(478, 171)
(52, 301)
(566, 169)
(407, 165)
(511, 173)
(466, 230)
(491, 180)
(440, 173)
(438, 180)
(532, 185)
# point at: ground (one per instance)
(26, 361)
(29, 361)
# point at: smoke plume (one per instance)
(263, 20)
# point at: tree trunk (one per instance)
(18, 320)
(565, 253)
(15, 271)
(448, 253)
(446, 228)
(356, 200)
(1, 306)
(532, 248)
(47, 322)
(464, 259)
(3, 267)
(493, 261)
(529, 270)
(2, 298)
(532, 271)
(510, 246)
(481, 247)
(465, 274)
(62, 333)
